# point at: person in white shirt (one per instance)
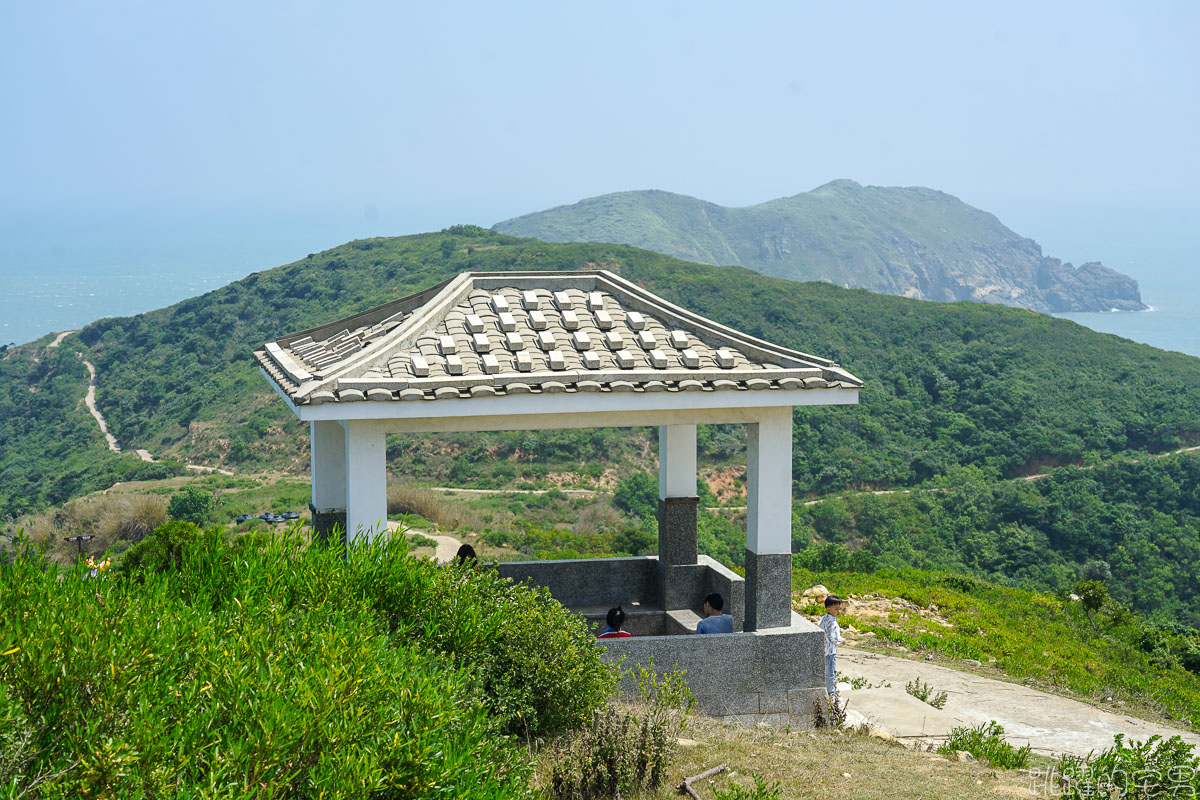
(833, 637)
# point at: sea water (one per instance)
(53, 281)
(1172, 323)
(61, 279)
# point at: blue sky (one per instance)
(1078, 124)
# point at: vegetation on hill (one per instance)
(265, 668)
(947, 385)
(1133, 524)
(912, 242)
(50, 447)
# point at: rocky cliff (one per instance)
(913, 242)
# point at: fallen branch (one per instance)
(686, 786)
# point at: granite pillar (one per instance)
(768, 591)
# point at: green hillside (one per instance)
(912, 242)
(960, 384)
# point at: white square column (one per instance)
(769, 520)
(676, 461)
(327, 445)
(366, 480)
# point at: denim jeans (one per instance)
(831, 673)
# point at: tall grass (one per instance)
(116, 521)
(433, 506)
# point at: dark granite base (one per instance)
(677, 530)
(326, 523)
(768, 591)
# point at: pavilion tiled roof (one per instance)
(488, 334)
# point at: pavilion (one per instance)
(540, 350)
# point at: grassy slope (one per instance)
(946, 384)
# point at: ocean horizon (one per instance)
(50, 289)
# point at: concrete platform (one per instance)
(1048, 723)
(899, 713)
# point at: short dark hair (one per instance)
(616, 618)
(833, 600)
(716, 601)
(465, 553)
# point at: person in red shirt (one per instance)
(615, 619)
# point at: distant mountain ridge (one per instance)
(908, 241)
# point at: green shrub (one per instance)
(621, 753)
(536, 662)
(191, 504)
(986, 742)
(16, 744)
(614, 755)
(1142, 770)
(164, 548)
(637, 495)
(830, 557)
(925, 693)
(267, 668)
(760, 791)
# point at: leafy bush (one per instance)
(637, 495)
(1155, 768)
(272, 669)
(614, 755)
(620, 753)
(191, 504)
(830, 557)
(760, 791)
(985, 741)
(925, 693)
(164, 548)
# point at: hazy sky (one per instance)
(1076, 123)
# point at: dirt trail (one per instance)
(1048, 723)
(447, 546)
(58, 339)
(1036, 477)
(581, 492)
(90, 402)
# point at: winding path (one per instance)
(581, 492)
(447, 546)
(58, 339)
(90, 401)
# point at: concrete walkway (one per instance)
(447, 546)
(1048, 723)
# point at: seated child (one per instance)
(615, 619)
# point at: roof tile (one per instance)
(454, 349)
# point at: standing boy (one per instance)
(833, 637)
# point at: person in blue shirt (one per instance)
(714, 620)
